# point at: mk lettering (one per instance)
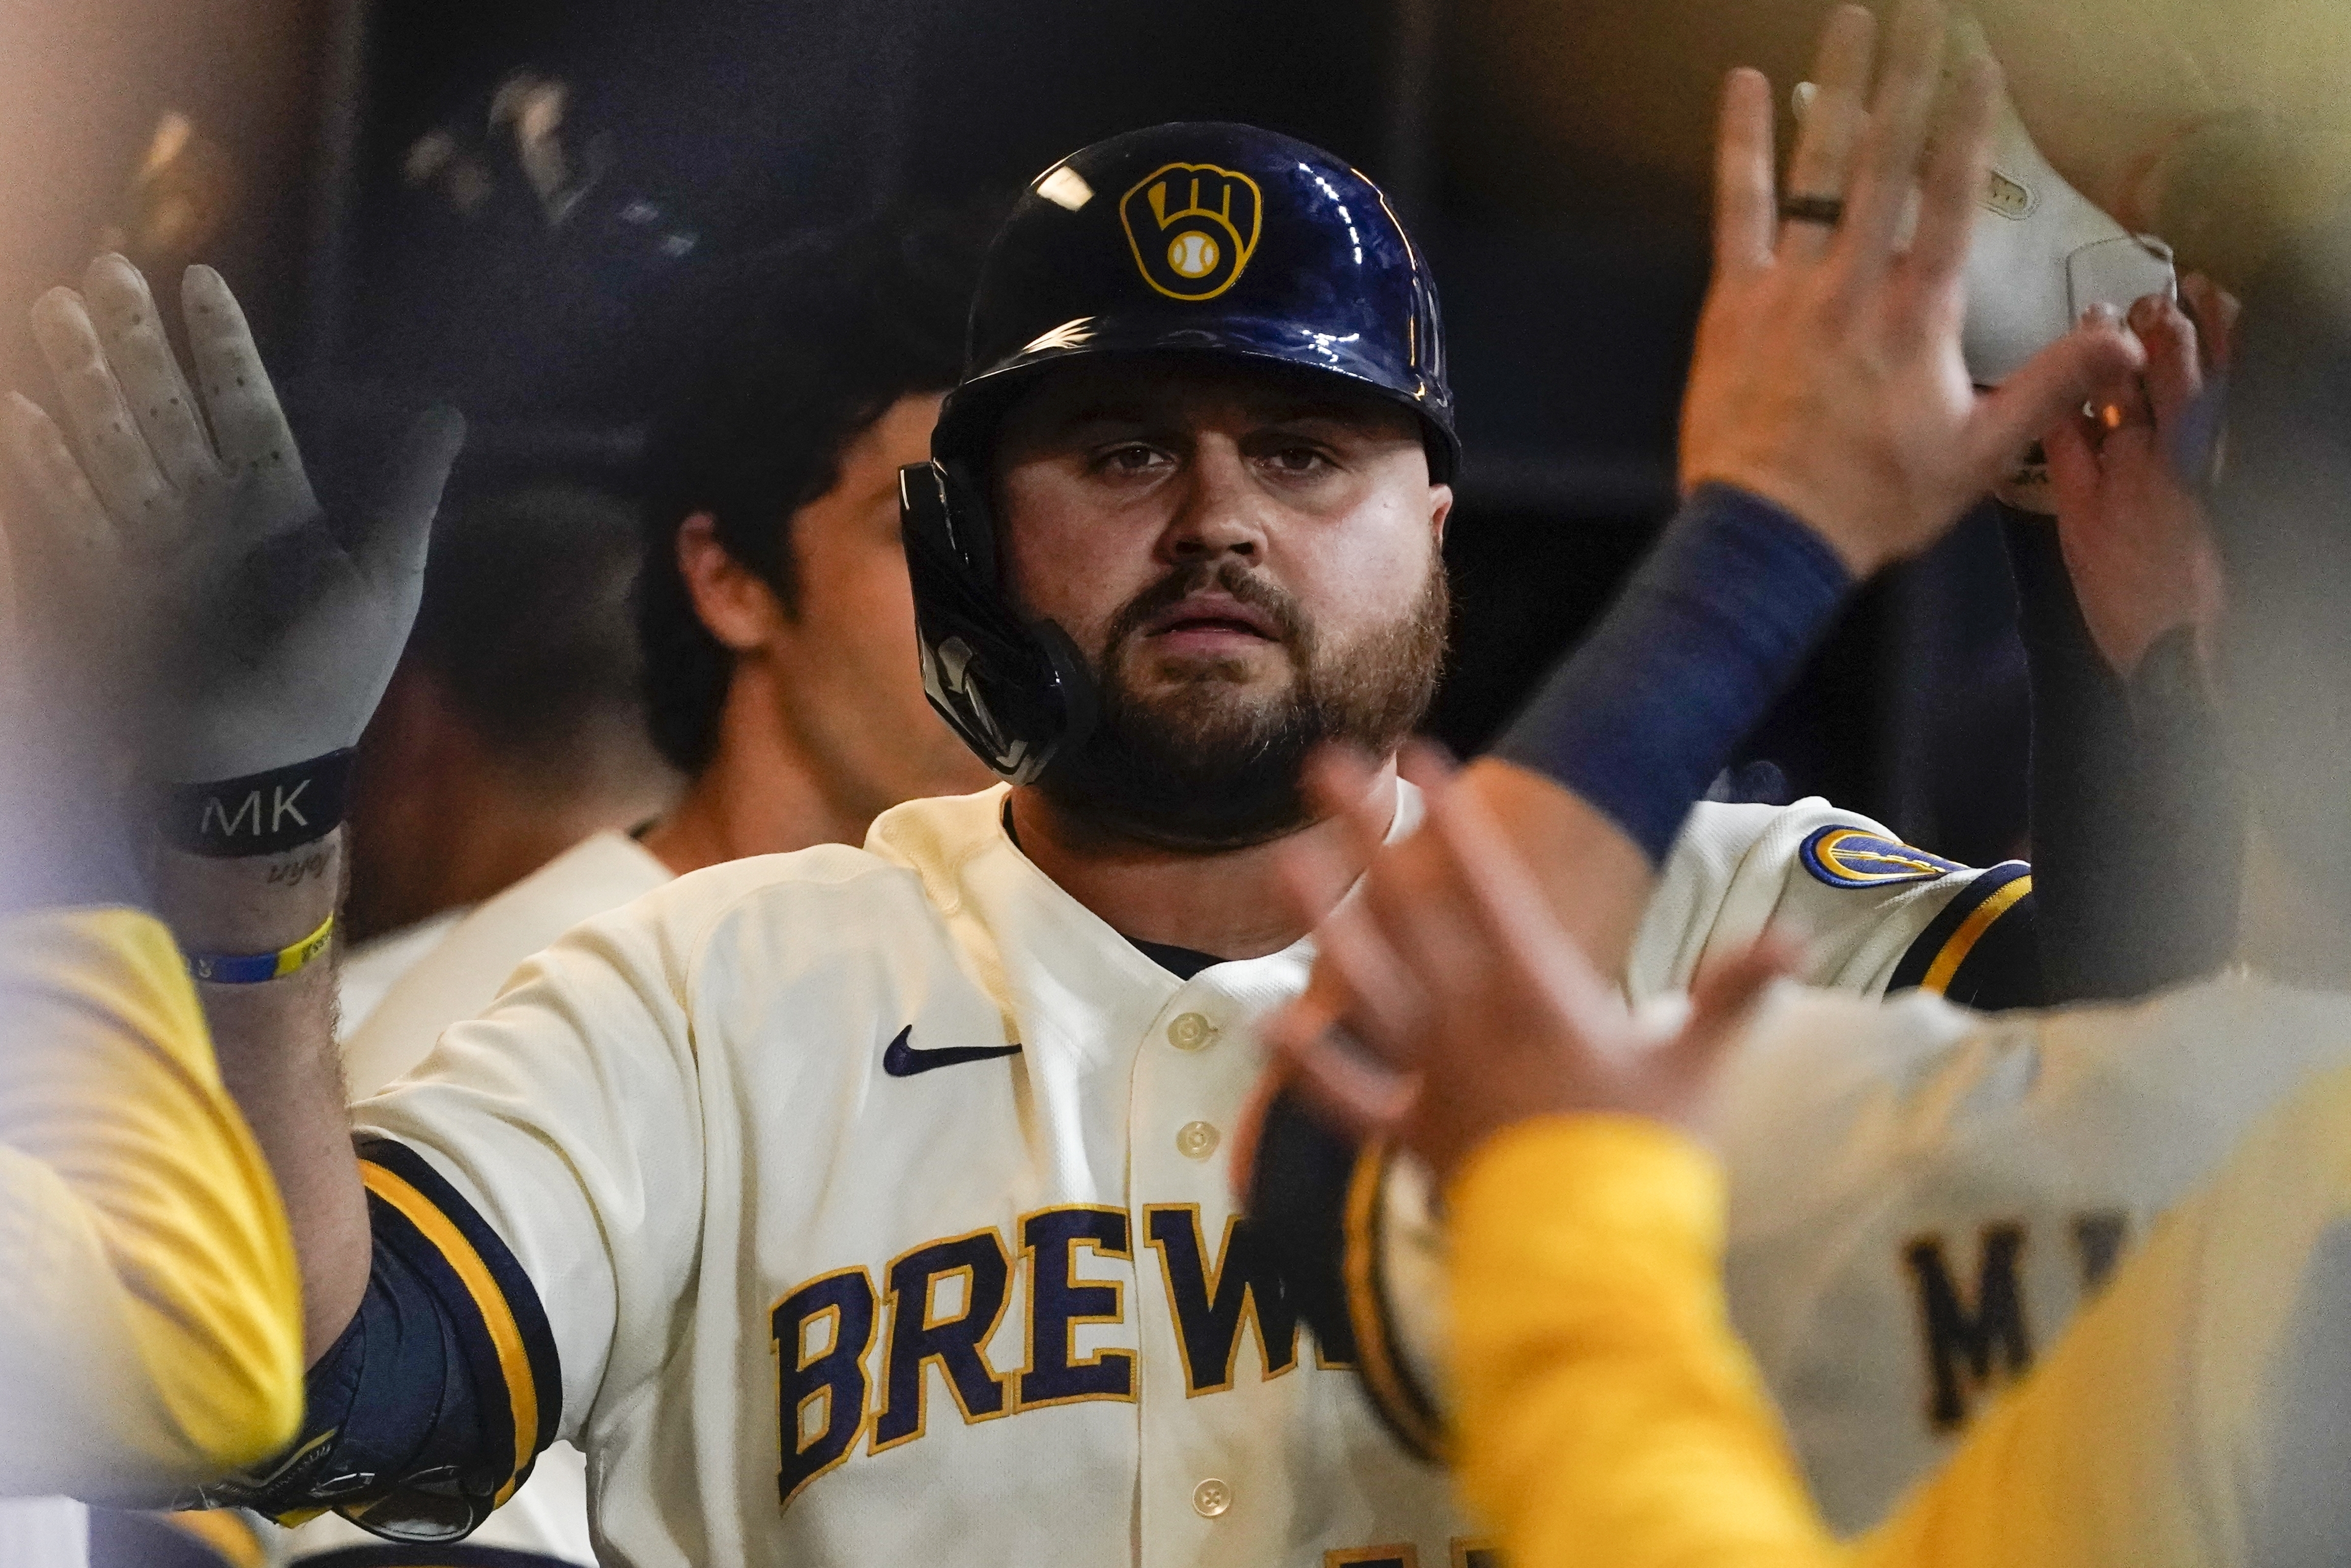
(866, 1353)
(281, 805)
(229, 825)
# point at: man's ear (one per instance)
(1440, 510)
(733, 602)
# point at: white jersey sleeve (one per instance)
(1875, 914)
(567, 1119)
(1921, 1197)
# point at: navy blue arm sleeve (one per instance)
(1713, 625)
(427, 1413)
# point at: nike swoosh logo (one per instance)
(903, 1061)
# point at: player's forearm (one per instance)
(276, 1042)
(1595, 777)
(1596, 877)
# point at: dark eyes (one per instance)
(1296, 460)
(1133, 458)
(1136, 458)
(1141, 459)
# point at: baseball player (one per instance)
(1919, 1200)
(2193, 1414)
(809, 1189)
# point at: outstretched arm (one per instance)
(1606, 1410)
(285, 629)
(1830, 427)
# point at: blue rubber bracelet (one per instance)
(1713, 625)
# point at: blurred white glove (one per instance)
(2041, 253)
(2040, 256)
(215, 595)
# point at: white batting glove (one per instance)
(2042, 253)
(269, 633)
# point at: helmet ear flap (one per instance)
(1017, 692)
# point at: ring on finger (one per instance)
(1823, 210)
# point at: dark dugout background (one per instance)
(495, 204)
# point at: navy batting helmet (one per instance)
(1211, 239)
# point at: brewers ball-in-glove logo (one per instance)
(1193, 226)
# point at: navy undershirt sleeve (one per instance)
(428, 1410)
(1711, 628)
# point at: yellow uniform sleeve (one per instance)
(1609, 1414)
(150, 1307)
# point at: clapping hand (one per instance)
(190, 579)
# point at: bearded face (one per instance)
(1247, 556)
(1197, 750)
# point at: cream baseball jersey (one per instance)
(1922, 1197)
(872, 1205)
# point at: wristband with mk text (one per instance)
(260, 813)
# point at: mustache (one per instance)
(1235, 580)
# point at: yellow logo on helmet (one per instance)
(1193, 228)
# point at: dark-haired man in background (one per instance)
(774, 620)
(777, 622)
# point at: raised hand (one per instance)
(258, 633)
(2128, 478)
(1449, 1001)
(1828, 375)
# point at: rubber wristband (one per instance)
(1714, 624)
(252, 969)
(260, 813)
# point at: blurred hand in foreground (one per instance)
(1828, 375)
(190, 585)
(2129, 474)
(1449, 1003)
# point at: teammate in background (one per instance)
(775, 628)
(514, 727)
(771, 600)
(773, 607)
(2194, 1414)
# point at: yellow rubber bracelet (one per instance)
(251, 968)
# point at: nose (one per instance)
(1220, 514)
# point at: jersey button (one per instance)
(1191, 1032)
(1211, 1498)
(1196, 1141)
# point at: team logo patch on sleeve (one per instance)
(1855, 857)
